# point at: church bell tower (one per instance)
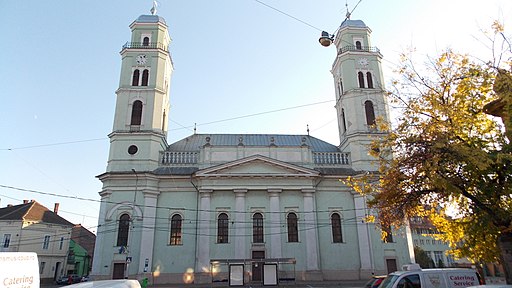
(360, 92)
(142, 106)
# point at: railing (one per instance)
(331, 158)
(322, 158)
(138, 45)
(179, 158)
(358, 48)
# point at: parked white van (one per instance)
(412, 276)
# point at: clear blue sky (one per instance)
(60, 68)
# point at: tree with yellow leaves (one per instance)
(447, 154)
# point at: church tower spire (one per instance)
(142, 106)
(360, 92)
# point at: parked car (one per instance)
(375, 281)
(64, 279)
(86, 278)
(413, 276)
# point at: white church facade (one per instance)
(187, 211)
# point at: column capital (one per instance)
(308, 191)
(105, 193)
(274, 190)
(150, 193)
(205, 193)
(239, 191)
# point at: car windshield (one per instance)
(388, 281)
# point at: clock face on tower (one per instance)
(141, 59)
(363, 62)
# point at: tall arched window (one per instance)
(369, 79)
(358, 45)
(164, 120)
(337, 236)
(222, 228)
(370, 113)
(340, 87)
(145, 77)
(123, 230)
(135, 78)
(176, 222)
(145, 41)
(136, 113)
(343, 121)
(360, 77)
(293, 231)
(257, 228)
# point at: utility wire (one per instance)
(182, 126)
(286, 14)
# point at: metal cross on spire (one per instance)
(153, 9)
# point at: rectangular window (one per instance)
(41, 267)
(46, 242)
(61, 243)
(7, 240)
(389, 234)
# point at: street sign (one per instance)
(128, 259)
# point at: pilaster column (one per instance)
(240, 226)
(311, 229)
(100, 261)
(203, 243)
(275, 220)
(148, 231)
(363, 234)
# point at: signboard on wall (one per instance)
(236, 275)
(270, 274)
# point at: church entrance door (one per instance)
(257, 267)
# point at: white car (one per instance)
(492, 286)
(122, 283)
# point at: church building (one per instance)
(265, 206)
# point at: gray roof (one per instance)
(195, 141)
(353, 23)
(150, 19)
(175, 170)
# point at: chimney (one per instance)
(25, 201)
(56, 208)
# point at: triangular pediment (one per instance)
(257, 166)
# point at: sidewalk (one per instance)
(288, 284)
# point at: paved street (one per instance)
(323, 284)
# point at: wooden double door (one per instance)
(257, 267)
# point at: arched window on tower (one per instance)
(222, 228)
(343, 122)
(293, 231)
(145, 77)
(136, 113)
(123, 230)
(358, 45)
(370, 113)
(164, 120)
(135, 78)
(360, 77)
(145, 41)
(257, 228)
(176, 222)
(340, 87)
(369, 79)
(337, 235)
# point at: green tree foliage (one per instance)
(422, 258)
(445, 153)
